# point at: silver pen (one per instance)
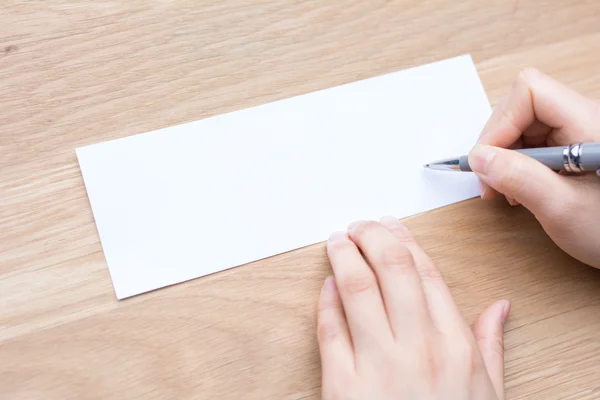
(574, 158)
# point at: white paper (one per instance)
(190, 200)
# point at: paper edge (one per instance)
(430, 64)
(119, 293)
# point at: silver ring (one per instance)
(576, 152)
(572, 158)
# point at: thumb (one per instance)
(489, 334)
(519, 177)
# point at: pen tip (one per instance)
(426, 166)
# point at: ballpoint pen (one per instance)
(575, 158)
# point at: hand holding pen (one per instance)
(551, 128)
(573, 158)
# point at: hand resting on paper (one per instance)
(541, 112)
(388, 327)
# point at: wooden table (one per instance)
(76, 72)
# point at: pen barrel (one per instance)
(590, 156)
(551, 157)
(575, 158)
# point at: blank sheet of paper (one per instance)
(190, 200)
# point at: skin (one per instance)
(388, 327)
(541, 112)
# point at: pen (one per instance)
(574, 158)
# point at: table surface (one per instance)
(76, 72)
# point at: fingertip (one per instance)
(486, 191)
(482, 189)
(512, 201)
(355, 226)
(392, 223)
(397, 228)
(337, 236)
(527, 74)
(388, 220)
(492, 319)
(480, 157)
(336, 241)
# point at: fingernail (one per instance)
(512, 201)
(392, 223)
(337, 236)
(482, 189)
(354, 225)
(480, 158)
(329, 284)
(505, 312)
(389, 220)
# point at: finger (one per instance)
(489, 334)
(486, 192)
(398, 278)
(359, 291)
(442, 309)
(512, 201)
(496, 114)
(520, 178)
(536, 135)
(537, 97)
(335, 345)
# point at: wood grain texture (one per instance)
(76, 72)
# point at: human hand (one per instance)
(388, 327)
(541, 112)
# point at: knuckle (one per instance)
(327, 330)
(429, 363)
(430, 272)
(403, 234)
(465, 354)
(397, 258)
(326, 305)
(527, 73)
(358, 283)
